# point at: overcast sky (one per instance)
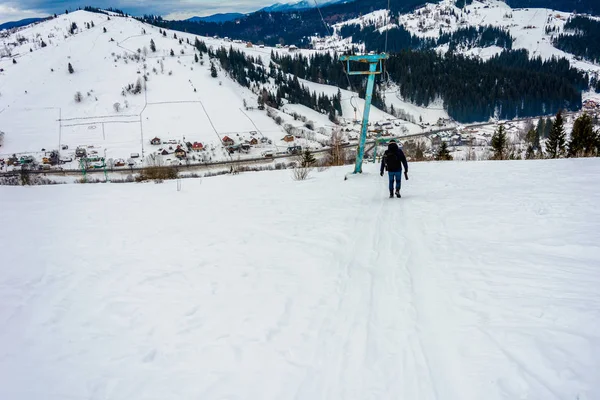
(13, 10)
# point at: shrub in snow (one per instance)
(70, 68)
(301, 173)
(78, 97)
(117, 107)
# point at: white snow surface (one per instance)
(480, 283)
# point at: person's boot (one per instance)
(391, 194)
(398, 193)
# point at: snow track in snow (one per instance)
(481, 282)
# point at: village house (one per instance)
(197, 146)
(179, 152)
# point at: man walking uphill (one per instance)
(393, 159)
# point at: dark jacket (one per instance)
(400, 157)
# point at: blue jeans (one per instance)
(398, 177)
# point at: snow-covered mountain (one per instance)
(221, 17)
(526, 25)
(17, 24)
(300, 5)
(43, 107)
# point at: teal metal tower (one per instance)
(374, 61)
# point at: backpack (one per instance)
(392, 160)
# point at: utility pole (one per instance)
(374, 60)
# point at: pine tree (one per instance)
(213, 70)
(165, 33)
(583, 138)
(443, 154)
(533, 139)
(540, 128)
(70, 67)
(104, 29)
(261, 102)
(555, 145)
(307, 159)
(172, 53)
(138, 87)
(196, 57)
(152, 45)
(499, 142)
(547, 128)
(530, 153)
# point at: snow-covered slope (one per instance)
(526, 25)
(469, 287)
(38, 109)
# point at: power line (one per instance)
(329, 33)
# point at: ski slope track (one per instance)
(480, 283)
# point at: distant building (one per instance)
(197, 146)
(179, 152)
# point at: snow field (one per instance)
(481, 282)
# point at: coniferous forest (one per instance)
(398, 38)
(509, 85)
(582, 39)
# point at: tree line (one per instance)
(584, 140)
(581, 6)
(250, 72)
(398, 38)
(582, 38)
(506, 86)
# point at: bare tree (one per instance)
(336, 151)
(117, 106)
(301, 173)
(471, 155)
(78, 97)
